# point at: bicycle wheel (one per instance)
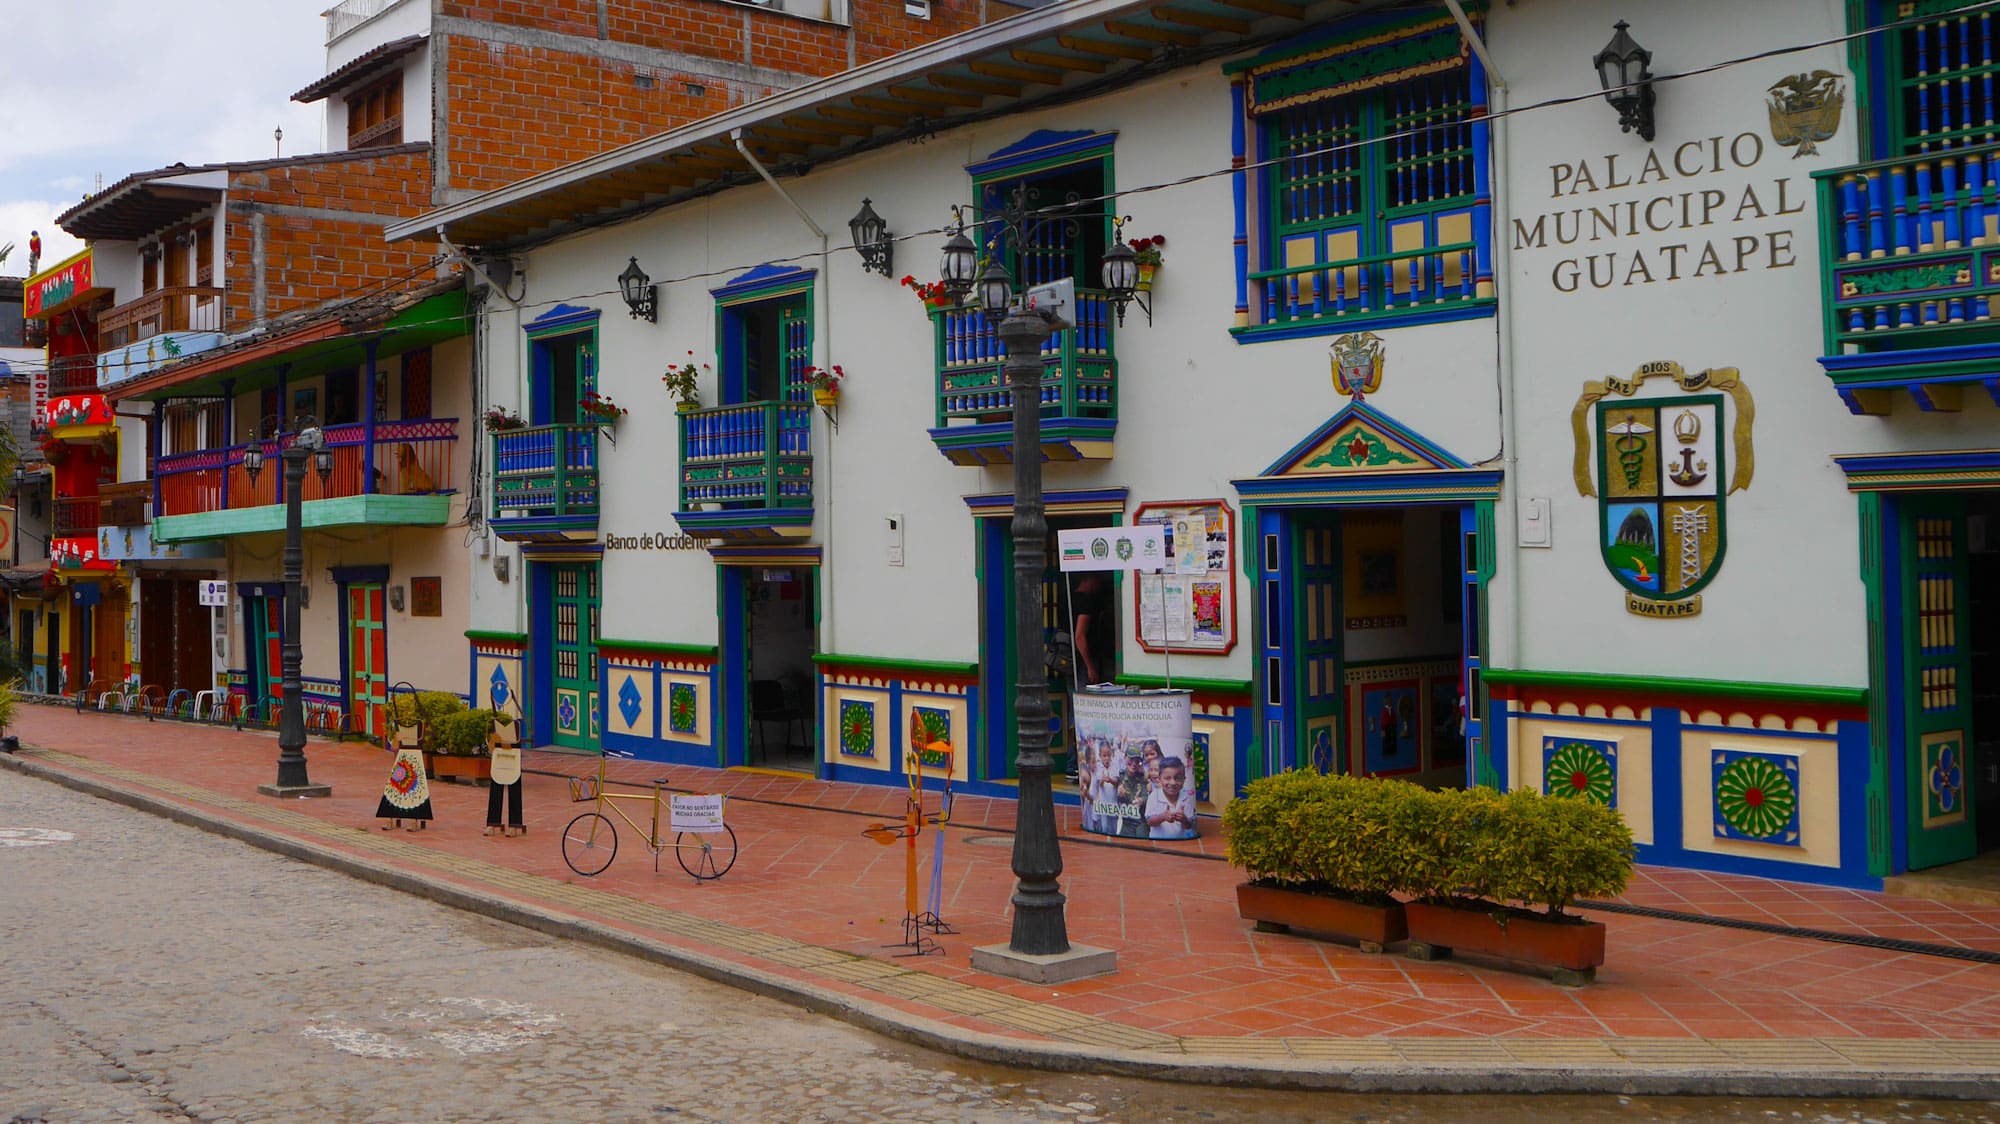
(706, 855)
(589, 844)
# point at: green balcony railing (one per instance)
(545, 480)
(748, 456)
(1911, 251)
(1079, 372)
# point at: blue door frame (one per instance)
(1279, 680)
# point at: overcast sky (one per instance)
(99, 89)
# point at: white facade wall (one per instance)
(1196, 409)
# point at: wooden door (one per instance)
(367, 658)
(575, 654)
(108, 642)
(1316, 674)
(1937, 685)
(262, 622)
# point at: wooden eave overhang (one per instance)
(362, 68)
(1059, 53)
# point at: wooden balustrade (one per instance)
(74, 515)
(753, 455)
(1911, 249)
(1079, 375)
(72, 374)
(546, 473)
(411, 458)
(177, 308)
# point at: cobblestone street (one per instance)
(155, 972)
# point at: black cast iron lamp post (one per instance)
(1628, 85)
(310, 441)
(1039, 947)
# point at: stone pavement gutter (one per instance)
(1049, 1037)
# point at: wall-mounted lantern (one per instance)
(872, 240)
(1121, 274)
(959, 264)
(1628, 85)
(641, 295)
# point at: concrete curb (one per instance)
(1287, 1073)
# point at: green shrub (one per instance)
(465, 732)
(1366, 839)
(1436, 837)
(431, 710)
(1264, 838)
(9, 695)
(1549, 852)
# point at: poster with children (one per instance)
(1134, 770)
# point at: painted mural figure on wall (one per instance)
(1805, 110)
(1660, 470)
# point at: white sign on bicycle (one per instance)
(698, 813)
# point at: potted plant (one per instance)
(598, 409)
(825, 384)
(1466, 854)
(1311, 845)
(680, 381)
(934, 294)
(500, 419)
(1147, 250)
(463, 743)
(428, 712)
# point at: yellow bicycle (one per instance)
(590, 841)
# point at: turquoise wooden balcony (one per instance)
(746, 471)
(545, 483)
(1910, 253)
(975, 409)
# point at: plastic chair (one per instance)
(768, 704)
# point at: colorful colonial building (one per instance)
(1633, 451)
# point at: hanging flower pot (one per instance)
(825, 398)
(1145, 284)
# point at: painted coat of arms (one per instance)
(1805, 110)
(1357, 364)
(1663, 474)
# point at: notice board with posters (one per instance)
(1190, 606)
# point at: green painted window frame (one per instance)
(989, 189)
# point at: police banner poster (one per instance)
(1112, 548)
(1134, 768)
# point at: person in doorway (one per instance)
(1170, 807)
(1091, 627)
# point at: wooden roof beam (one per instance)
(1033, 74)
(1060, 62)
(1150, 34)
(942, 99)
(976, 85)
(1107, 49)
(832, 132)
(864, 116)
(1207, 21)
(1267, 8)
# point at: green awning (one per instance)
(427, 322)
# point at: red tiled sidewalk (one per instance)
(1188, 965)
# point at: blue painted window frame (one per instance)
(1043, 155)
(562, 327)
(785, 296)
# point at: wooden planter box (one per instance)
(1278, 910)
(1573, 949)
(445, 766)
